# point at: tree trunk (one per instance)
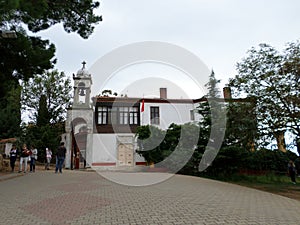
(251, 146)
(1, 163)
(298, 145)
(279, 135)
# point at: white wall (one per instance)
(104, 148)
(169, 113)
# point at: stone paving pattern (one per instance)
(79, 197)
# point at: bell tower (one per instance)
(82, 88)
(80, 122)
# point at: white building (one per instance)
(101, 133)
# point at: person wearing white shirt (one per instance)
(48, 158)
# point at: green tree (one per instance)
(20, 58)
(149, 143)
(212, 123)
(241, 126)
(76, 16)
(205, 106)
(43, 115)
(108, 93)
(23, 57)
(212, 86)
(26, 56)
(42, 137)
(47, 96)
(273, 79)
(169, 149)
(10, 114)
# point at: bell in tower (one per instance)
(81, 92)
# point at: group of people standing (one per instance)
(25, 156)
(31, 155)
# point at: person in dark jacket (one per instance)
(33, 158)
(292, 171)
(60, 157)
(13, 157)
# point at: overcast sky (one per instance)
(219, 32)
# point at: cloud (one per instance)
(218, 31)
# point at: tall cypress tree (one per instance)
(43, 117)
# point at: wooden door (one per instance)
(125, 154)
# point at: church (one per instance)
(100, 130)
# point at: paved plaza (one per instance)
(80, 197)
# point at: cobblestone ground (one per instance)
(77, 197)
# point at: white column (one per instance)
(89, 150)
(68, 146)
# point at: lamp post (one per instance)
(8, 34)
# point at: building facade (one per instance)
(100, 131)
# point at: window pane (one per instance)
(133, 115)
(123, 115)
(99, 117)
(102, 114)
(154, 115)
(192, 115)
(104, 118)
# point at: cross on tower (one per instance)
(83, 64)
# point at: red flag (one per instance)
(143, 106)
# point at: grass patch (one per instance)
(276, 184)
(263, 179)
